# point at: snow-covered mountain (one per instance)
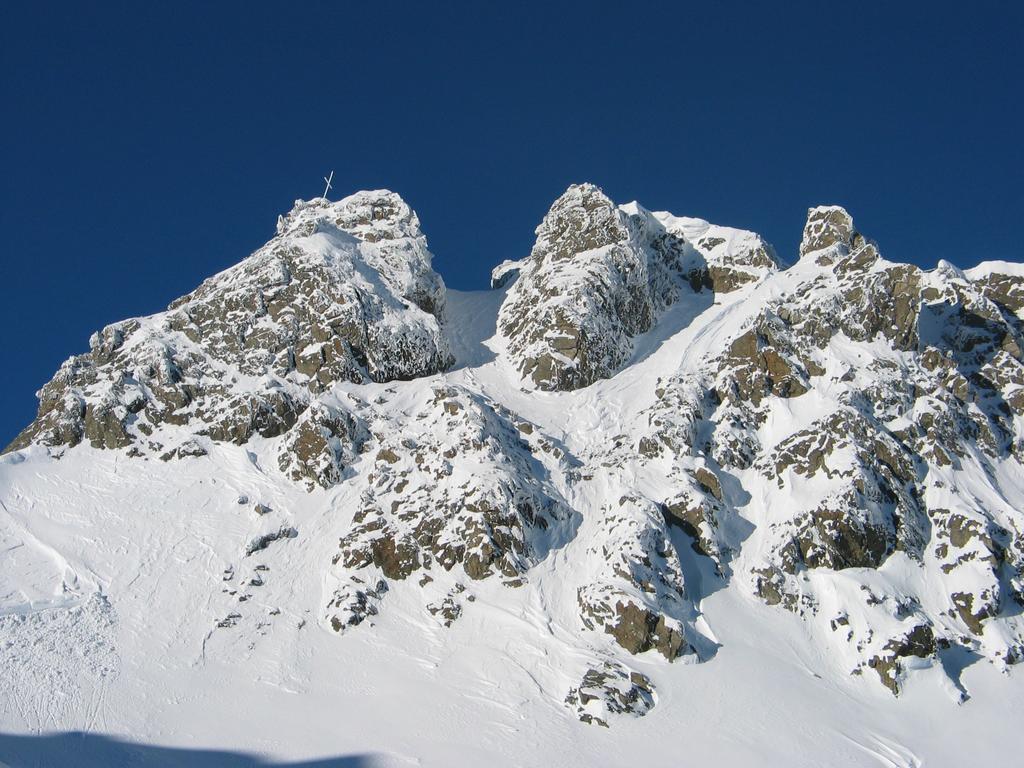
(655, 480)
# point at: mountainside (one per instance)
(655, 480)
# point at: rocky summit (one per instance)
(656, 464)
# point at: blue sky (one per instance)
(145, 148)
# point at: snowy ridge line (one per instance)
(653, 477)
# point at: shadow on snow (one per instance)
(90, 750)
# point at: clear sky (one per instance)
(146, 148)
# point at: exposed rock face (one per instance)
(584, 292)
(320, 445)
(918, 642)
(874, 505)
(828, 227)
(639, 597)
(261, 542)
(600, 275)
(344, 292)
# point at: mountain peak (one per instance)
(582, 219)
(344, 292)
(827, 226)
(369, 215)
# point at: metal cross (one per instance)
(328, 187)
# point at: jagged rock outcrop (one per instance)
(456, 486)
(583, 293)
(610, 690)
(344, 292)
(600, 274)
(639, 596)
(828, 227)
(324, 440)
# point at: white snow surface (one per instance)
(985, 268)
(113, 571)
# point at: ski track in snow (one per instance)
(889, 753)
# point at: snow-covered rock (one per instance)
(343, 292)
(600, 275)
(812, 475)
(454, 485)
(853, 403)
